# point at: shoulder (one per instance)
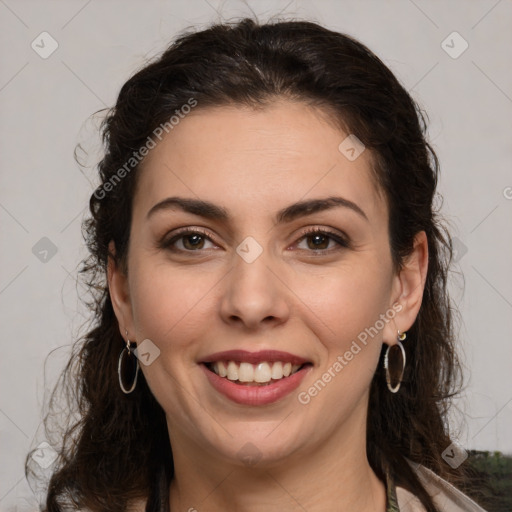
(447, 497)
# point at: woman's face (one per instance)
(235, 269)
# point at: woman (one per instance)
(273, 326)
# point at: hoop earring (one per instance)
(134, 362)
(394, 367)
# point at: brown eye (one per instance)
(192, 242)
(187, 241)
(318, 240)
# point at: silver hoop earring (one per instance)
(394, 370)
(124, 364)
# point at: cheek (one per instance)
(166, 301)
(345, 311)
(348, 310)
(169, 307)
(345, 301)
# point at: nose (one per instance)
(255, 295)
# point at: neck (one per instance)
(334, 475)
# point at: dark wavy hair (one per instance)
(118, 449)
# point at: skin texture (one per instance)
(292, 298)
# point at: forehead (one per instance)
(256, 160)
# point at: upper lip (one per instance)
(243, 356)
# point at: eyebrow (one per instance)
(212, 211)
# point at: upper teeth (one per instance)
(247, 372)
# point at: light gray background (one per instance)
(45, 106)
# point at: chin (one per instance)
(257, 446)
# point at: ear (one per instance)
(408, 286)
(119, 293)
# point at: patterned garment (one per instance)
(391, 502)
(445, 496)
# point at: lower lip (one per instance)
(256, 395)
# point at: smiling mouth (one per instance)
(261, 374)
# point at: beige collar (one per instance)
(445, 496)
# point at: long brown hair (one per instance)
(118, 450)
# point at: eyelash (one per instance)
(342, 242)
